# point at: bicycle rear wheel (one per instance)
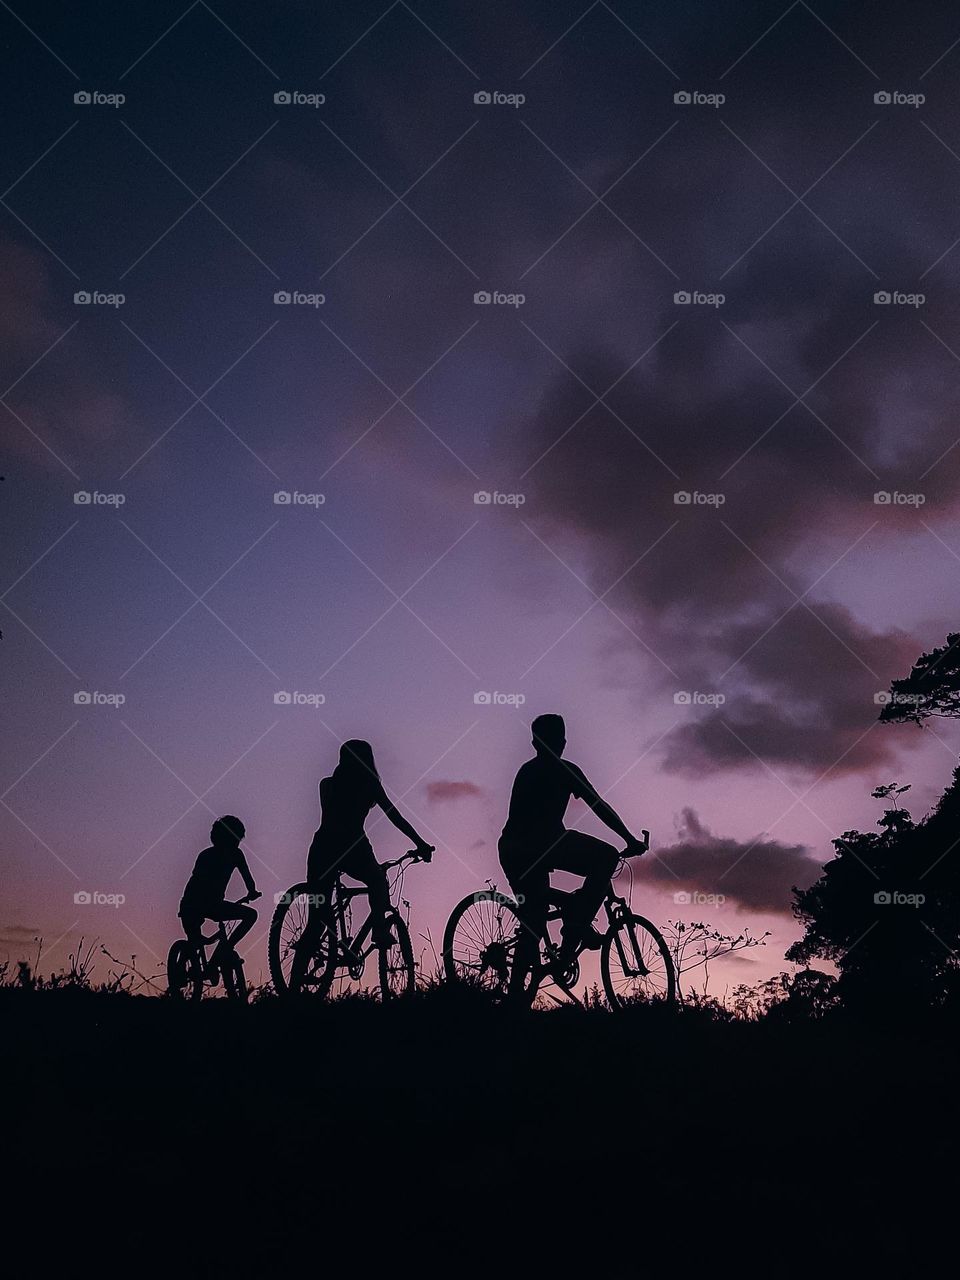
(480, 940)
(302, 949)
(636, 964)
(184, 972)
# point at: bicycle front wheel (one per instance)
(302, 948)
(234, 980)
(636, 964)
(184, 972)
(397, 970)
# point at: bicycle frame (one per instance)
(221, 938)
(616, 908)
(353, 951)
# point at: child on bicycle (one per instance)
(204, 898)
(340, 843)
(535, 842)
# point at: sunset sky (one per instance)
(782, 198)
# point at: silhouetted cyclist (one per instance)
(340, 843)
(535, 842)
(204, 898)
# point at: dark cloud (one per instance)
(445, 791)
(757, 875)
(733, 597)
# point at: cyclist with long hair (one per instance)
(340, 843)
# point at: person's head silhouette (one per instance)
(549, 735)
(356, 768)
(227, 831)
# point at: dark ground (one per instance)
(439, 1139)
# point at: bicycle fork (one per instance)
(625, 940)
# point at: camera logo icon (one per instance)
(482, 298)
(482, 98)
(282, 298)
(882, 298)
(682, 898)
(682, 98)
(882, 98)
(883, 698)
(82, 298)
(81, 698)
(682, 698)
(82, 498)
(682, 498)
(282, 98)
(481, 699)
(282, 699)
(82, 98)
(882, 898)
(82, 898)
(482, 498)
(282, 498)
(882, 498)
(682, 298)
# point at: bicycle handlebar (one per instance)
(413, 855)
(630, 851)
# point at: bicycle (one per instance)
(481, 936)
(312, 939)
(188, 968)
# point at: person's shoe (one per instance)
(592, 940)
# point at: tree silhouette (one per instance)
(931, 689)
(886, 910)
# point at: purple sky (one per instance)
(597, 400)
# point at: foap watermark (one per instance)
(893, 498)
(295, 298)
(694, 298)
(84, 498)
(294, 498)
(296, 98)
(496, 298)
(85, 698)
(501, 899)
(697, 898)
(896, 298)
(894, 98)
(484, 699)
(95, 298)
(494, 498)
(308, 899)
(494, 98)
(684, 498)
(95, 98)
(95, 898)
(694, 698)
(894, 898)
(695, 98)
(283, 698)
(886, 698)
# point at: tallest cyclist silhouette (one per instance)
(535, 842)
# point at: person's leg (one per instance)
(360, 862)
(228, 911)
(530, 885)
(192, 927)
(596, 861)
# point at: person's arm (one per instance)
(607, 815)
(400, 822)
(244, 870)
